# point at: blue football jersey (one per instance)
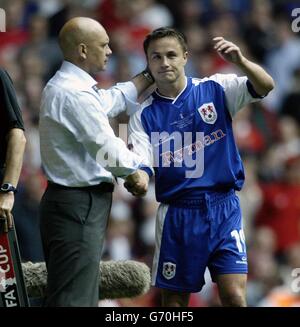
(188, 142)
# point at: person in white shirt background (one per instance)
(81, 156)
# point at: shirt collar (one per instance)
(179, 97)
(78, 73)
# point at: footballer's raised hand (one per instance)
(228, 50)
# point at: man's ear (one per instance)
(82, 50)
(185, 57)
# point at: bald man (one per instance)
(80, 156)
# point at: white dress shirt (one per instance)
(78, 146)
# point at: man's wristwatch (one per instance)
(7, 187)
(147, 74)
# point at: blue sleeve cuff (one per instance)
(147, 170)
(253, 93)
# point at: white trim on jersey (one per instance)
(160, 221)
(235, 89)
(139, 138)
(174, 99)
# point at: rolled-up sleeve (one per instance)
(121, 97)
(140, 143)
(237, 90)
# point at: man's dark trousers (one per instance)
(73, 223)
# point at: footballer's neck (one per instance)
(172, 89)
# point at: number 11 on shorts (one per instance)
(239, 239)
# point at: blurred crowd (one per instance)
(267, 133)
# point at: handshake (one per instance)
(137, 183)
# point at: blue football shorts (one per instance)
(193, 234)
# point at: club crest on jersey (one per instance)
(169, 270)
(208, 113)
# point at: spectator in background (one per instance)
(280, 210)
(260, 30)
(26, 217)
(264, 272)
(288, 47)
(286, 293)
(40, 46)
(291, 101)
